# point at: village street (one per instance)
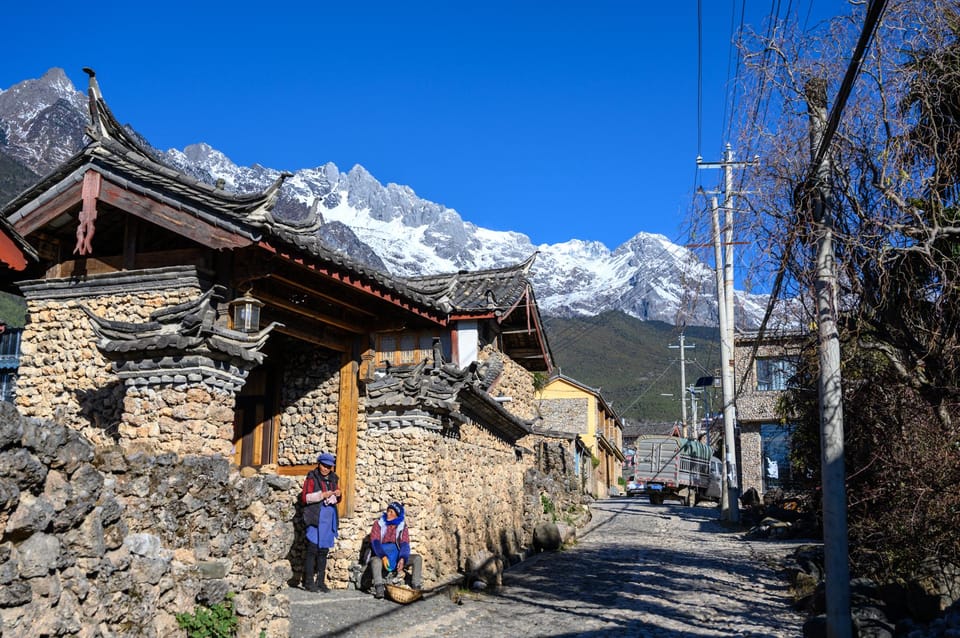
(637, 570)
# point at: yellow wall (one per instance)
(599, 421)
(561, 389)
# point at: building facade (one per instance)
(566, 405)
(765, 364)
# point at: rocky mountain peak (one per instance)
(393, 229)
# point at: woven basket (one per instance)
(402, 595)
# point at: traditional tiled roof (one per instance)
(181, 328)
(117, 155)
(483, 291)
(179, 344)
(431, 395)
(504, 294)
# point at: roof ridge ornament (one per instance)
(95, 100)
(104, 125)
(526, 265)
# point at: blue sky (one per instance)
(556, 119)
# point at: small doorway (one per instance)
(775, 439)
(254, 424)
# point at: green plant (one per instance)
(539, 381)
(218, 621)
(594, 461)
(548, 506)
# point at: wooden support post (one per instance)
(347, 434)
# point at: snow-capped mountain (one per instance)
(391, 228)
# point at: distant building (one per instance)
(566, 405)
(766, 365)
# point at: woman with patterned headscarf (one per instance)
(390, 543)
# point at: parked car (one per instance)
(635, 488)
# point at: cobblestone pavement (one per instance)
(637, 570)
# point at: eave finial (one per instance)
(529, 262)
(97, 125)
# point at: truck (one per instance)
(677, 468)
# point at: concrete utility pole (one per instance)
(832, 466)
(726, 376)
(723, 249)
(683, 386)
(694, 423)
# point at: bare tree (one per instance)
(895, 192)
(896, 159)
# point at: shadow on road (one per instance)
(636, 570)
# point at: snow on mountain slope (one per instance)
(390, 227)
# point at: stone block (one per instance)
(146, 545)
(546, 537)
(148, 570)
(22, 467)
(38, 555)
(32, 516)
(11, 425)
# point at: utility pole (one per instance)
(683, 386)
(694, 422)
(723, 249)
(832, 467)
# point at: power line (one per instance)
(874, 11)
(699, 76)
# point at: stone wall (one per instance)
(751, 457)
(753, 404)
(565, 415)
(550, 480)
(462, 495)
(110, 543)
(177, 419)
(515, 382)
(309, 404)
(62, 374)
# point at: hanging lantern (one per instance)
(245, 313)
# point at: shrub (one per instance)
(218, 621)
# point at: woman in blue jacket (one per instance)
(390, 543)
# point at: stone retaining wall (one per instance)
(116, 544)
(461, 496)
(464, 495)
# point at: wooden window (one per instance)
(408, 349)
(387, 350)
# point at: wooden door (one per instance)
(254, 425)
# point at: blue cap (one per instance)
(327, 459)
(396, 507)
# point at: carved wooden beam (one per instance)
(289, 306)
(299, 285)
(92, 182)
(49, 210)
(176, 221)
